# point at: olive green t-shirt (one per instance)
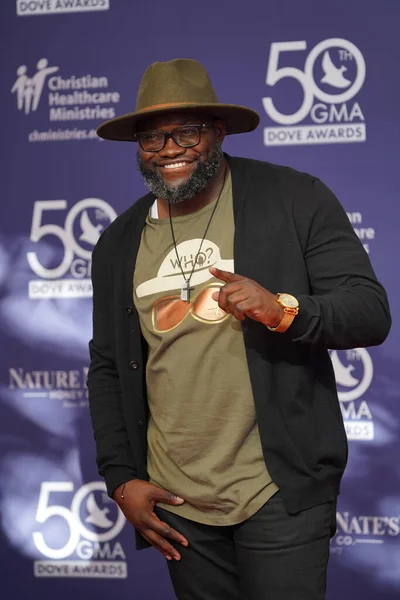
(203, 439)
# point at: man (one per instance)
(212, 395)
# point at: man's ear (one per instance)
(220, 129)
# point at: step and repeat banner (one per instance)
(325, 82)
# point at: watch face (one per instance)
(289, 300)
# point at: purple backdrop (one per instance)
(324, 79)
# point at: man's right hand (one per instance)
(138, 503)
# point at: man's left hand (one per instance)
(243, 297)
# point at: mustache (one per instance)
(197, 181)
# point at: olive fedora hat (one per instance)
(180, 85)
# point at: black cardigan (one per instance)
(291, 235)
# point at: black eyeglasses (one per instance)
(186, 136)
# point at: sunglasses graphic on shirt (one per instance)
(171, 311)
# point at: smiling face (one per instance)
(175, 173)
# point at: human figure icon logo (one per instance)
(28, 90)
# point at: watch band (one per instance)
(285, 323)
(290, 306)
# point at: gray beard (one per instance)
(197, 182)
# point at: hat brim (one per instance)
(175, 282)
(238, 119)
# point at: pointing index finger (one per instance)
(224, 275)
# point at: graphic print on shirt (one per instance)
(169, 311)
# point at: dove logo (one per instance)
(333, 74)
(90, 233)
(96, 515)
(351, 387)
(88, 523)
(354, 372)
(79, 233)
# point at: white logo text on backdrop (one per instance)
(335, 117)
(90, 525)
(47, 97)
(363, 529)
(77, 241)
(365, 234)
(27, 8)
(29, 89)
(354, 373)
(67, 386)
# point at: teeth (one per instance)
(175, 165)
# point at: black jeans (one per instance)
(271, 556)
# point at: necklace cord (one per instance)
(187, 281)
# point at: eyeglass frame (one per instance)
(169, 135)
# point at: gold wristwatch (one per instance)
(290, 305)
